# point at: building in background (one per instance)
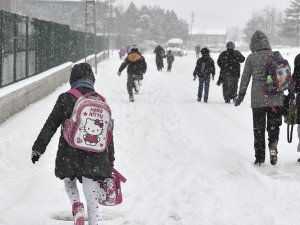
(214, 39)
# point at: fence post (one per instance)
(1, 45)
(27, 46)
(15, 46)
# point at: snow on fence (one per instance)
(18, 96)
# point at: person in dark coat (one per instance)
(229, 62)
(137, 66)
(263, 115)
(197, 50)
(72, 163)
(159, 55)
(170, 60)
(205, 68)
(296, 78)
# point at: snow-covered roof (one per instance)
(175, 40)
(209, 32)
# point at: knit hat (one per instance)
(82, 71)
(204, 51)
(230, 45)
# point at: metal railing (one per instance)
(29, 46)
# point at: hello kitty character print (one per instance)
(109, 189)
(89, 127)
(93, 129)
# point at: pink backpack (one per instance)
(109, 189)
(90, 126)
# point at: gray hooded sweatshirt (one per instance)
(255, 67)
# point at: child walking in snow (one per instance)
(205, 68)
(170, 59)
(137, 66)
(71, 163)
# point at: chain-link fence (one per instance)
(29, 46)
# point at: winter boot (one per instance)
(131, 98)
(199, 99)
(298, 160)
(78, 213)
(273, 156)
(258, 162)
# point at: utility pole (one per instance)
(90, 24)
(192, 21)
(191, 32)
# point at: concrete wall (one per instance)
(18, 99)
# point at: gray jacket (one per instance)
(255, 66)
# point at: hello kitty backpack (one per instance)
(109, 189)
(90, 125)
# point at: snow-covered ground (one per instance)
(186, 162)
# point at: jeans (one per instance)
(203, 82)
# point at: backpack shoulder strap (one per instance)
(75, 92)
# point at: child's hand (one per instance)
(119, 73)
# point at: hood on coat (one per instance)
(259, 41)
(82, 71)
(134, 57)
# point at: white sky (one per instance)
(212, 14)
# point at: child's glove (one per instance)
(35, 156)
(194, 78)
(119, 73)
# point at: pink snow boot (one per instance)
(78, 213)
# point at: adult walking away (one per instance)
(263, 114)
(72, 163)
(197, 50)
(137, 66)
(229, 62)
(159, 55)
(205, 68)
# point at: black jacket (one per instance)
(205, 67)
(136, 64)
(296, 79)
(72, 162)
(229, 63)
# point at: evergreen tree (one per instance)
(290, 27)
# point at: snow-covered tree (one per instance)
(290, 26)
(267, 20)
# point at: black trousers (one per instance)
(131, 83)
(273, 120)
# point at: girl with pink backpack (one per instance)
(73, 163)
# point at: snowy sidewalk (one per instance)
(186, 162)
